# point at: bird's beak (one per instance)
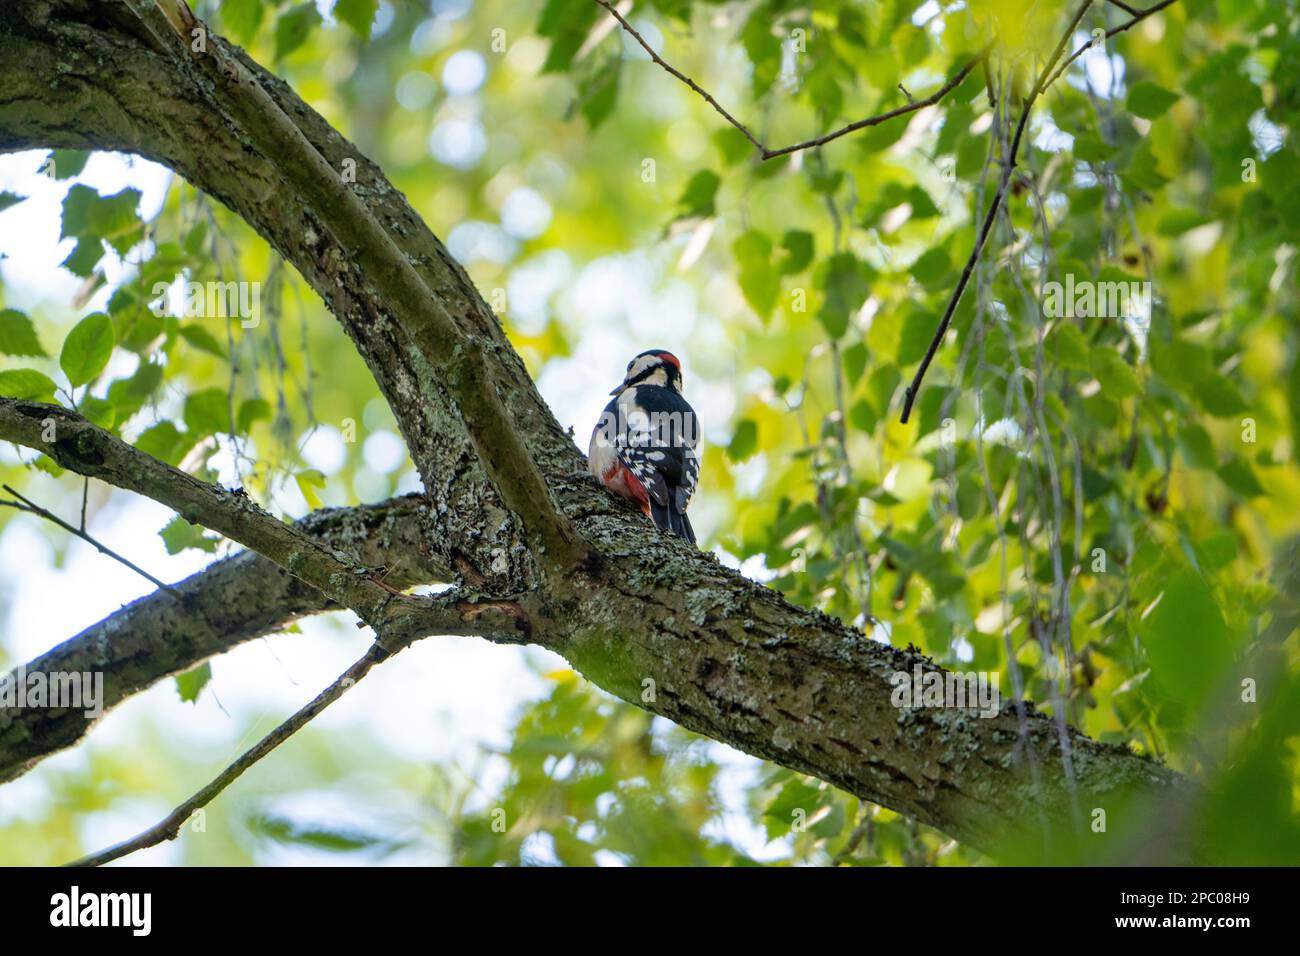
(619, 390)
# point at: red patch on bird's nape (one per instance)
(670, 357)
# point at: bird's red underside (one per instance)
(619, 479)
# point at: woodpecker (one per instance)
(646, 444)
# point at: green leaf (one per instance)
(697, 199)
(1186, 638)
(97, 411)
(1090, 148)
(66, 163)
(918, 331)
(1220, 395)
(207, 412)
(18, 335)
(190, 684)
(846, 290)
(732, 145)
(310, 482)
(744, 441)
(195, 238)
(600, 93)
(318, 838)
(180, 534)
(26, 385)
(128, 395)
(241, 18)
(199, 337)
(83, 258)
(252, 410)
(1141, 171)
(855, 362)
(1149, 100)
(798, 246)
(1240, 477)
(1197, 446)
(760, 283)
(293, 27)
(1177, 221)
(165, 442)
(9, 199)
(566, 24)
(1115, 375)
(90, 216)
(797, 801)
(87, 349)
(1070, 345)
(932, 269)
(358, 14)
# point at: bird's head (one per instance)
(655, 367)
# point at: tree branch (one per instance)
(1008, 164)
(1138, 17)
(727, 657)
(764, 153)
(170, 826)
(25, 504)
(228, 603)
(89, 450)
(422, 315)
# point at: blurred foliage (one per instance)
(1101, 509)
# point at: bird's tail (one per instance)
(670, 519)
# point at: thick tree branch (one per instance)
(228, 603)
(87, 449)
(423, 316)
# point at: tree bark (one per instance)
(646, 617)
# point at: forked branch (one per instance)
(1045, 78)
(764, 152)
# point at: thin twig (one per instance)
(1008, 164)
(32, 508)
(1125, 7)
(763, 152)
(170, 826)
(1138, 17)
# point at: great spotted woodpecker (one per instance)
(646, 445)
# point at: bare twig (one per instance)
(1138, 17)
(26, 504)
(764, 152)
(169, 827)
(1008, 164)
